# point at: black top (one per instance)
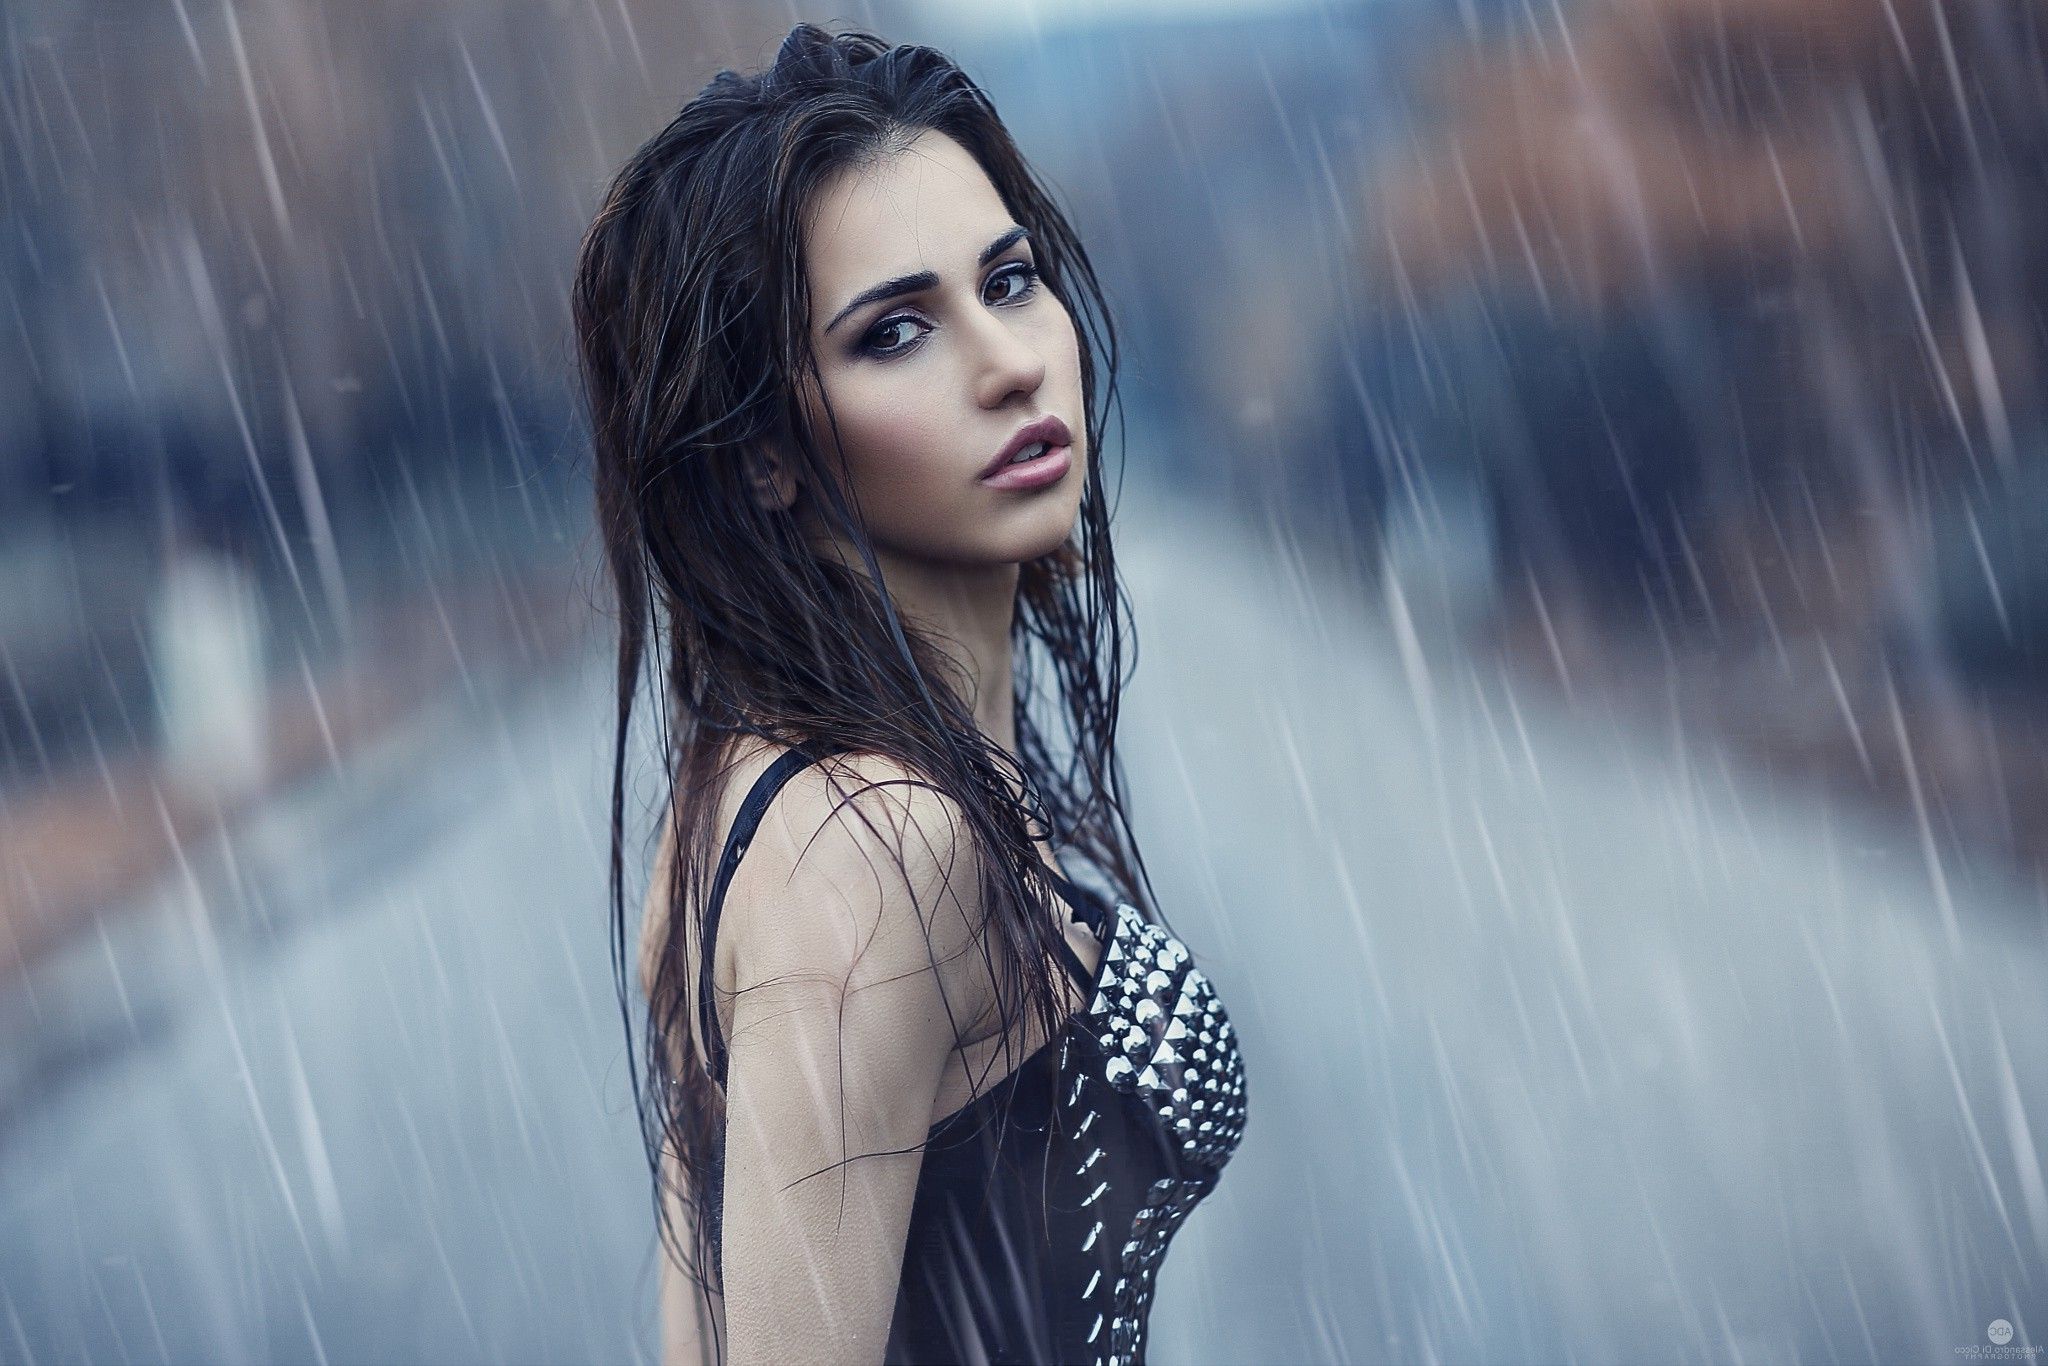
(1035, 1236)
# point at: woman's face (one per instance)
(930, 383)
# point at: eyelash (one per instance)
(1024, 271)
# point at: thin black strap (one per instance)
(1088, 908)
(736, 841)
(1084, 905)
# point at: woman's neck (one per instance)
(967, 611)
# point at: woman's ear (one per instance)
(771, 475)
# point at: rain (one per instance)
(1583, 493)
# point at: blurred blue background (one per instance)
(1584, 506)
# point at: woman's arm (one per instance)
(687, 1337)
(845, 968)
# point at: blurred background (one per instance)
(1585, 502)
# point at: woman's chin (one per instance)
(1050, 530)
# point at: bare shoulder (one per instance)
(862, 872)
(855, 923)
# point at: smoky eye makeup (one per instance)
(873, 343)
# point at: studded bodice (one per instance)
(1044, 1207)
(1056, 1257)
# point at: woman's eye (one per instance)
(1023, 274)
(874, 342)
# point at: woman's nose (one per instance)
(1007, 363)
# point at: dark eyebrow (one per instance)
(923, 279)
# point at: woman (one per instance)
(915, 1095)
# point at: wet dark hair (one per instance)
(691, 312)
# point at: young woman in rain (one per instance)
(910, 1093)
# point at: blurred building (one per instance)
(1733, 307)
(287, 301)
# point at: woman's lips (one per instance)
(1035, 473)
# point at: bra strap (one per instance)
(1083, 904)
(1088, 908)
(736, 841)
